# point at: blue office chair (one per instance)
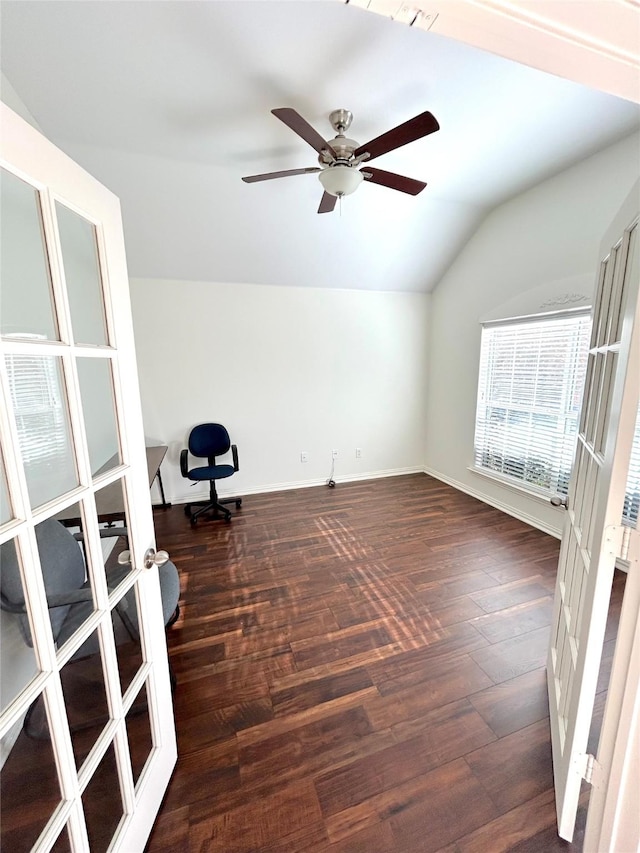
(208, 441)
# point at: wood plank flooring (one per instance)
(362, 669)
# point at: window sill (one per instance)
(514, 485)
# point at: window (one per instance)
(529, 395)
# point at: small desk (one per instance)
(155, 455)
(109, 503)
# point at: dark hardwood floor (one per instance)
(362, 669)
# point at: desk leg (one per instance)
(164, 504)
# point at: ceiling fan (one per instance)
(340, 158)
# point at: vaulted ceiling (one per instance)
(168, 104)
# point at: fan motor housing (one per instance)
(344, 148)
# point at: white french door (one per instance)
(593, 535)
(86, 719)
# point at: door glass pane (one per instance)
(6, 513)
(85, 697)
(102, 802)
(126, 623)
(17, 658)
(139, 733)
(112, 517)
(66, 581)
(110, 504)
(40, 404)
(98, 406)
(114, 543)
(631, 510)
(62, 845)
(26, 304)
(29, 789)
(128, 648)
(71, 518)
(82, 276)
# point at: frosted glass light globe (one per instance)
(340, 179)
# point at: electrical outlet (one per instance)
(304, 456)
(334, 454)
(358, 452)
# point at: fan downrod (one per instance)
(342, 148)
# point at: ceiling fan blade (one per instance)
(415, 128)
(327, 203)
(393, 181)
(302, 127)
(268, 176)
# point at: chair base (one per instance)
(214, 505)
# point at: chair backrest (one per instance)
(207, 440)
(63, 570)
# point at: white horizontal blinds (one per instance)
(36, 385)
(529, 394)
(632, 497)
(39, 408)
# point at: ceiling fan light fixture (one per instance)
(340, 179)
(340, 158)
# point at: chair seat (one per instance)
(211, 472)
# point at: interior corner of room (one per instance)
(393, 373)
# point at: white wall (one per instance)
(286, 370)
(536, 252)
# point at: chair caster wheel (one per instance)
(227, 518)
(187, 510)
(194, 521)
(239, 503)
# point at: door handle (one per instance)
(151, 558)
(559, 500)
(155, 558)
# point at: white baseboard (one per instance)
(623, 565)
(503, 507)
(199, 495)
(377, 475)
